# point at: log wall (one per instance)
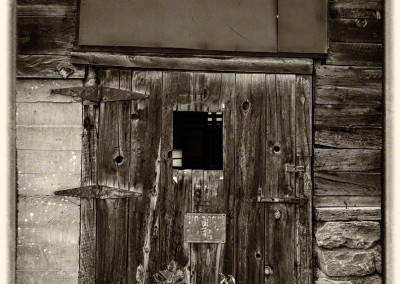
(348, 117)
(348, 107)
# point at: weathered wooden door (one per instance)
(263, 189)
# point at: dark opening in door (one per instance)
(197, 140)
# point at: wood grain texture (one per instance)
(365, 137)
(45, 35)
(47, 66)
(348, 76)
(356, 30)
(354, 9)
(112, 221)
(364, 54)
(229, 190)
(145, 175)
(280, 249)
(331, 94)
(111, 241)
(280, 148)
(200, 63)
(348, 214)
(303, 180)
(50, 10)
(172, 204)
(88, 242)
(347, 201)
(347, 115)
(353, 160)
(250, 176)
(207, 259)
(347, 183)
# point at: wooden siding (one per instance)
(348, 114)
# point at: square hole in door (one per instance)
(197, 140)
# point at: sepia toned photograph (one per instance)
(199, 142)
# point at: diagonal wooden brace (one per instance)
(98, 192)
(98, 94)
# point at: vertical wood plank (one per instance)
(250, 176)
(175, 88)
(227, 104)
(280, 135)
(144, 176)
(303, 179)
(208, 259)
(87, 246)
(114, 141)
(280, 245)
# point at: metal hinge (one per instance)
(293, 169)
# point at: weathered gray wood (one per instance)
(172, 204)
(45, 35)
(98, 192)
(88, 236)
(229, 189)
(365, 54)
(366, 137)
(250, 176)
(38, 90)
(371, 9)
(280, 148)
(113, 169)
(348, 76)
(210, 63)
(207, 259)
(347, 183)
(47, 2)
(280, 248)
(347, 115)
(348, 214)
(355, 160)
(330, 94)
(145, 172)
(347, 201)
(356, 30)
(111, 249)
(304, 151)
(47, 66)
(49, 10)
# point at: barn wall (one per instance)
(348, 144)
(347, 133)
(48, 144)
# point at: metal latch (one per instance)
(293, 169)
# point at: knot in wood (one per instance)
(277, 215)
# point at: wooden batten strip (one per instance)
(98, 192)
(348, 214)
(201, 63)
